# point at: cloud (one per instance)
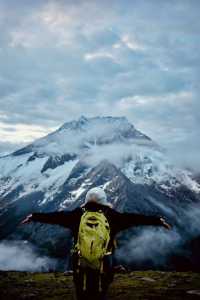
(182, 98)
(131, 43)
(185, 152)
(61, 59)
(9, 133)
(9, 147)
(161, 243)
(99, 55)
(20, 256)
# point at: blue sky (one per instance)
(63, 59)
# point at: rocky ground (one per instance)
(134, 285)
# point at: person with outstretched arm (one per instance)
(86, 277)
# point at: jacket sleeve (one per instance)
(126, 220)
(62, 218)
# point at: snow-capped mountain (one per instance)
(77, 136)
(56, 171)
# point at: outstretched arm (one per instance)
(59, 218)
(126, 220)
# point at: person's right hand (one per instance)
(165, 224)
(28, 219)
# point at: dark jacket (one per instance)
(117, 221)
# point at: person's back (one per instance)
(92, 279)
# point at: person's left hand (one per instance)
(28, 219)
(165, 224)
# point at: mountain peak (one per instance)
(84, 133)
(84, 122)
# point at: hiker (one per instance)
(94, 226)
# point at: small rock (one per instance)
(120, 269)
(147, 279)
(171, 285)
(28, 296)
(68, 273)
(194, 292)
(28, 280)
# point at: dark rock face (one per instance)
(14, 212)
(22, 151)
(33, 157)
(55, 161)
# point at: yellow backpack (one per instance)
(93, 239)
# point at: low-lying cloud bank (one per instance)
(155, 246)
(21, 256)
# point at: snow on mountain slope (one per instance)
(149, 166)
(19, 171)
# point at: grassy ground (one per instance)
(135, 285)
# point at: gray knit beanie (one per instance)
(97, 195)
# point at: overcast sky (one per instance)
(63, 59)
